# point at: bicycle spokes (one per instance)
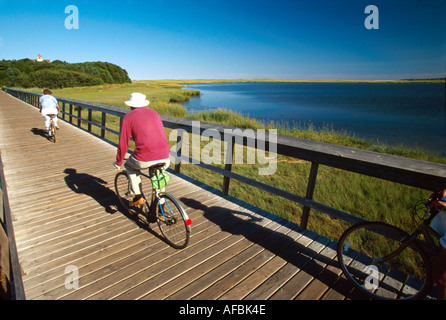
(373, 256)
(172, 221)
(167, 212)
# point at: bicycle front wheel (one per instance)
(173, 221)
(366, 254)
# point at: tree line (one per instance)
(27, 73)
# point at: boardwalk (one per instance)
(66, 218)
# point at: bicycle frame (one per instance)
(154, 199)
(163, 208)
(428, 245)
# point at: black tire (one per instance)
(176, 227)
(53, 131)
(407, 276)
(123, 192)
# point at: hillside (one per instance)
(27, 73)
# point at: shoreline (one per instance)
(261, 80)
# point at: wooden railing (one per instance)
(416, 173)
(11, 286)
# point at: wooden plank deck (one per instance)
(65, 214)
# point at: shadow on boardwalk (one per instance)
(92, 186)
(301, 251)
(97, 189)
(40, 132)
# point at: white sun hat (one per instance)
(137, 100)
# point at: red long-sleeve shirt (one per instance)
(144, 125)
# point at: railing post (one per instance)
(79, 110)
(309, 195)
(103, 125)
(90, 117)
(179, 151)
(71, 113)
(228, 165)
(63, 110)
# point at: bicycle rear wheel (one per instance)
(53, 131)
(174, 224)
(361, 250)
(123, 192)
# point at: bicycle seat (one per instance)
(157, 166)
(156, 169)
(51, 115)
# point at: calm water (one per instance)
(413, 114)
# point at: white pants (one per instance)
(134, 168)
(439, 225)
(48, 121)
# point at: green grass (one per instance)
(364, 196)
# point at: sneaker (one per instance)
(137, 202)
(57, 127)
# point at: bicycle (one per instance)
(52, 131)
(387, 263)
(174, 223)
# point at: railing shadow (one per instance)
(282, 245)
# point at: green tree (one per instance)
(57, 74)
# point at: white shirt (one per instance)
(439, 225)
(49, 104)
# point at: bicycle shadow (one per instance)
(307, 260)
(40, 132)
(97, 189)
(93, 187)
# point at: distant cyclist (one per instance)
(49, 105)
(146, 128)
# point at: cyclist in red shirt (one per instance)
(146, 128)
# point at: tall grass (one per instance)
(364, 196)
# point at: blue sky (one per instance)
(227, 39)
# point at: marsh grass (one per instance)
(367, 197)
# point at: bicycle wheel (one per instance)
(362, 254)
(173, 221)
(53, 131)
(123, 192)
